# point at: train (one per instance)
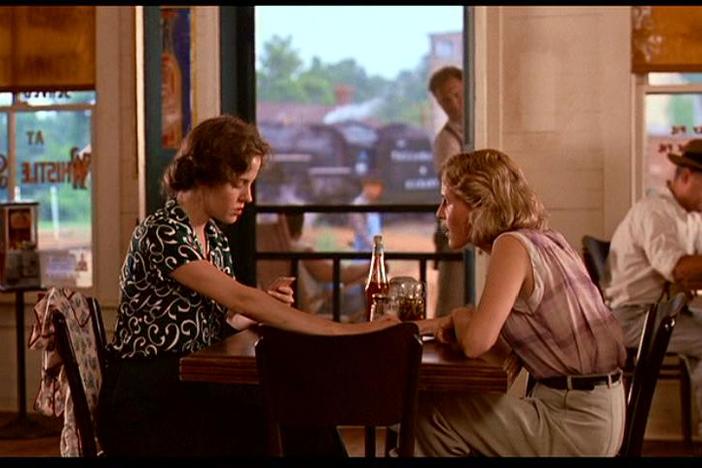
(326, 163)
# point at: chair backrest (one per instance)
(366, 379)
(595, 252)
(83, 367)
(654, 341)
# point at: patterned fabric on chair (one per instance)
(54, 396)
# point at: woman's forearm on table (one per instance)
(259, 306)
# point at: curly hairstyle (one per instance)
(216, 151)
(497, 192)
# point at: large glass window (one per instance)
(52, 158)
(673, 116)
(342, 97)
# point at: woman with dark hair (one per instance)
(177, 293)
(538, 303)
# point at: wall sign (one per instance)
(666, 38)
(47, 47)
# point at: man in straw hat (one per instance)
(659, 243)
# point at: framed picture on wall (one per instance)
(176, 105)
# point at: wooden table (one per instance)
(442, 370)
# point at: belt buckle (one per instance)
(586, 384)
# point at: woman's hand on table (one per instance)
(431, 326)
(445, 332)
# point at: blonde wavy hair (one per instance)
(497, 192)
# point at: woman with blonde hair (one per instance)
(538, 303)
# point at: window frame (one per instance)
(468, 257)
(17, 106)
(642, 89)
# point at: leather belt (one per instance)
(581, 382)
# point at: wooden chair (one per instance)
(67, 338)
(675, 367)
(359, 380)
(658, 328)
(595, 252)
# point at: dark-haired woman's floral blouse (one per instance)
(157, 315)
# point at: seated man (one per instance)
(659, 242)
(315, 278)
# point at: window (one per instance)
(51, 158)
(672, 116)
(666, 60)
(342, 97)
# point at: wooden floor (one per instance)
(353, 437)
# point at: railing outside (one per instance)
(336, 257)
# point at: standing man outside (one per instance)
(659, 242)
(446, 85)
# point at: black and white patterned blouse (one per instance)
(157, 315)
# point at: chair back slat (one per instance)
(84, 422)
(99, 331)
(84, 378)
(595, 252)
(366, 380)
(647, 332)
(660, 322)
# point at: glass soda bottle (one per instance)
(377, 282)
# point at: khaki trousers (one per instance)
(549, 423)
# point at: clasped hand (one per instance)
(280, 288)
(444, 328)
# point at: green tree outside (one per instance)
(282, 77)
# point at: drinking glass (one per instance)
(408, 298)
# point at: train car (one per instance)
(310, 164)
(361, 139)
(404, 158)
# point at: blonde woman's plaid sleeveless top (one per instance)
(563, 328)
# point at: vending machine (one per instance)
(19, 258)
